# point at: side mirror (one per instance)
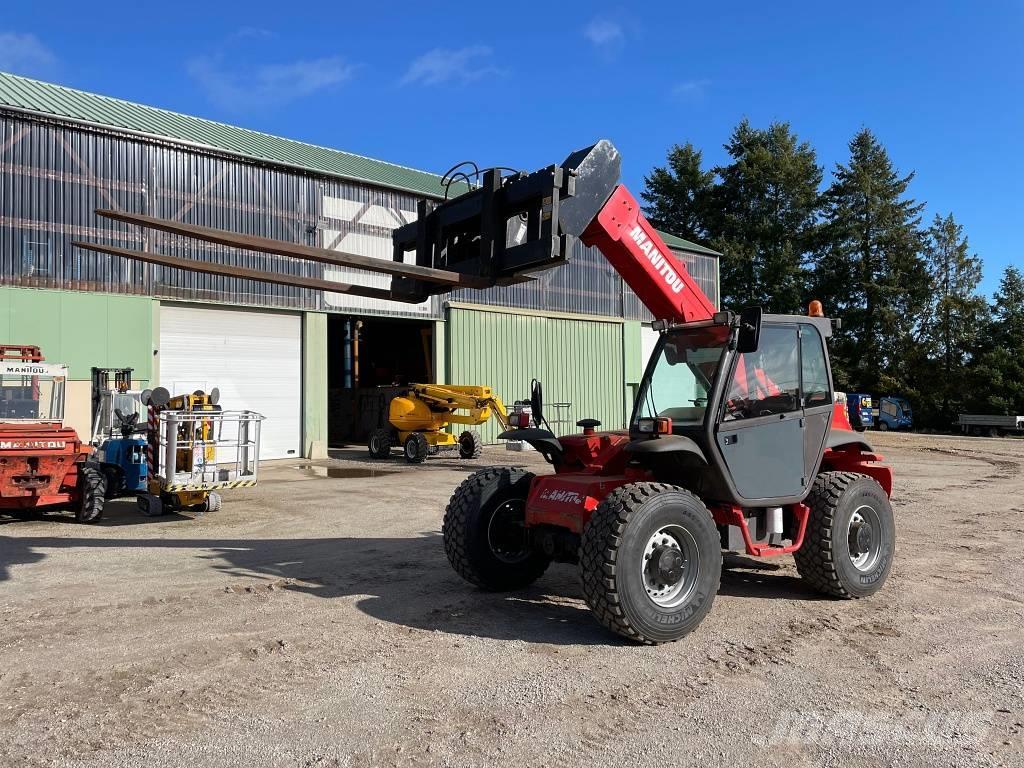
(749, 335)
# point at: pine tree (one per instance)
(677, 194)
(869, 270)
(953, 322)
(763, 217)
(996, 378)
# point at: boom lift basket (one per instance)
(206, 451)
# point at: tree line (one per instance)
(914, 321)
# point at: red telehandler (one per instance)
(735, 441)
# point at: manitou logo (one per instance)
(660, 263)
(30, 445)
(564, 497)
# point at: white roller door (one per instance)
(255, 358)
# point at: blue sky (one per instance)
(427, 85)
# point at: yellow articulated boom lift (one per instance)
(418, 417)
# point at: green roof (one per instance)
(22, 93)
(32, 95)
(685, 245)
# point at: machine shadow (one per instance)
(746, 577)
(405, 581)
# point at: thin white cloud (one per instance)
(443, 65)
(603, 32)
(24, 54)
(689, 90)
(270, 85)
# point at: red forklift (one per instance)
(43, 464)
(736, 441)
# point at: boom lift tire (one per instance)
(470, 445)
(380, 443)
(92, 490)
(851, 536)
(485, 537)
(650, 562)
(416, 448)
(212, 503)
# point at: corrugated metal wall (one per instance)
(578, 361)
(53, 176)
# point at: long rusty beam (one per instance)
(226, 270)
(296, 250)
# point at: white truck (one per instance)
(990, 425)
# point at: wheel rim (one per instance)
(863, 535)
(410, 448)
(506, 532)
(670, 566)
(374, 444)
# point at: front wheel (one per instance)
(485, 534)
(470, 445)
(650, 562)
(92, 493)
(416, 448)
(850, 539)
(883, 426)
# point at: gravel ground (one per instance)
(315, 621)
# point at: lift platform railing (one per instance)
(202, 451)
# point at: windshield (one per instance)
(31, 398)
(683, 372)
(108, 423)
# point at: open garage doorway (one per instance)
(368, 360)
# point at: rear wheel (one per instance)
(416, 448)
(851, 536)
(485, 536)
(380, 443)
(92, 492)
(470, 445)
(650, 562)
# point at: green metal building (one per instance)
(310, 361)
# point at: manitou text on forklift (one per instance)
(735, 442)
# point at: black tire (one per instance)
(484, 538)
(883, 426)
(92, 493)
(614, 548)
(115, 480)
(416, 448)
(824, 559)
(470, 445)
(379, 443)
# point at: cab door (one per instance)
(760, 434)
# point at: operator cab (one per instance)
(32, 391)
(743, 420)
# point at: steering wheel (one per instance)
(537, 401)
(734, 408)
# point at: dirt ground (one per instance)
(314, 621)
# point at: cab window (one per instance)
(815, 370)
(766, 382)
